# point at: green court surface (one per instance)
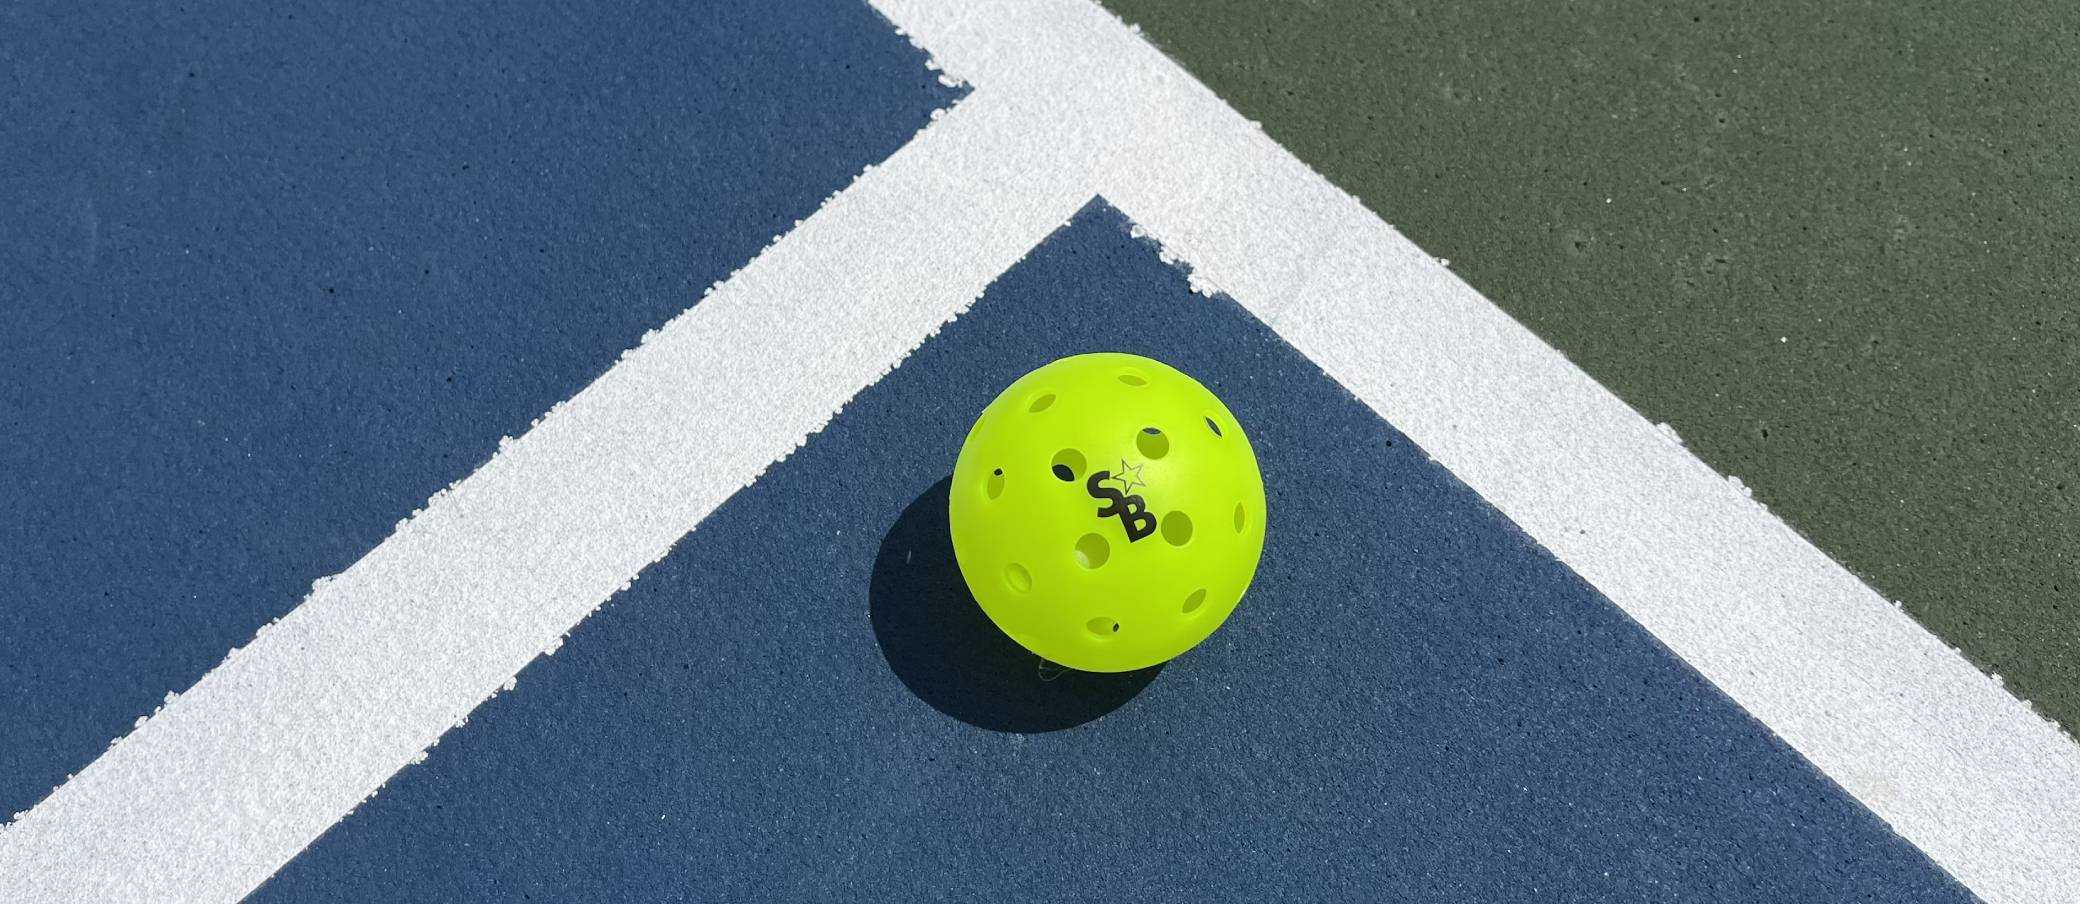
(1834, 246)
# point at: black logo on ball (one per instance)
(1130, 509)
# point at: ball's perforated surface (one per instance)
(1107, 511)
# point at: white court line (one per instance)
(226, 783)
(280, 741)
(1981, 783)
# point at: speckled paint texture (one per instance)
(1832, 245)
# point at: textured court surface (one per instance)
(1832, 244)
(296, 271)
(1417, 704)
(282, 274)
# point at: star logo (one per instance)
(1128, 477)
(1131, 510)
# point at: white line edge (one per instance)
(1981, 783)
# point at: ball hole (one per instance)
(1177, 528)
(1193, 602)
(1132, 378)
(1241, 517)
(1040, 403)
(1213, 425)
(1092, 551)
(1018, 577)
(1067, 464)
(1102, 626)
(995, 486)
(1152, 443)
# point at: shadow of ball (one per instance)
(944, 648)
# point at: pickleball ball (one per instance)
(1107, 512)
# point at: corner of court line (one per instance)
(991, 126)
(1962, 802)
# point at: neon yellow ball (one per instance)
(1107, 512)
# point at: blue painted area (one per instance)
(271, 274)
(1415, 703)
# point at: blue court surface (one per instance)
(293, 269)
(286, 271)
(1413, 704)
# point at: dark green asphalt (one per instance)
(1835, 245)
